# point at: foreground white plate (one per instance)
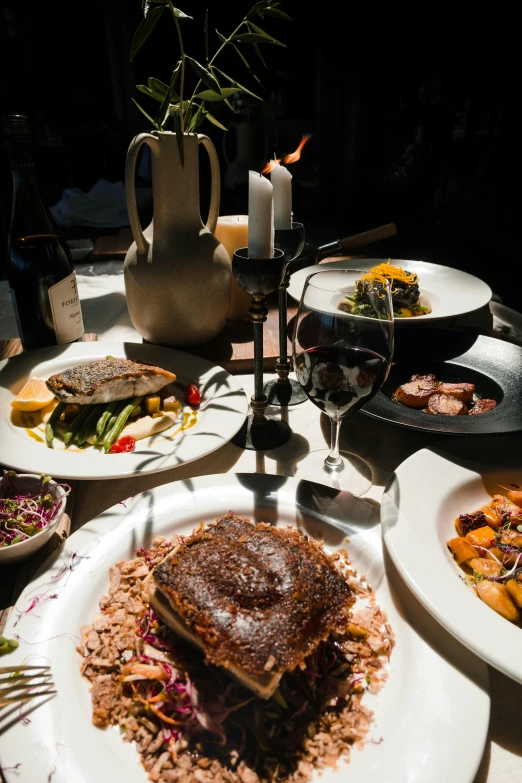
(418, 511)
(433, 681)
(450, 292)
(223, 409)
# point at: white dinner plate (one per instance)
(450, 292)
(221, 414)
(426, 494)
(433, 681)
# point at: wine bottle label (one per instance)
(66, 309)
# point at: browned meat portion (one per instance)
(430, 377)
(482, 406)
(461, 391)
(446, 405)
(416, 393)
(105, 380)
(257, 597)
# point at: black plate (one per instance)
(494, 366)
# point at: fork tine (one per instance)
(14, 669)
(25, 683)
(12, 678)
(25, 697)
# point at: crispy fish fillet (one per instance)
(256, 599)
(105, 380)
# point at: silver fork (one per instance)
(22, 683)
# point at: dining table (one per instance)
(377, 445)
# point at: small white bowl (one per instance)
(29, 483)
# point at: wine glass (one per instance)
(342, 351)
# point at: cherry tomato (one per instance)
(127, 443)
(192, 395)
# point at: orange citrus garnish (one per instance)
(33, 396)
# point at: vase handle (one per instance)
(215, 183)
(130, 189)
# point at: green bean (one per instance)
(103, 421)
(76, 424)
(120, 422)
(55, 415)
(89, 423)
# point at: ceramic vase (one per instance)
(177, 274)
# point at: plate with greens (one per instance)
(421, 291)
(107, 410)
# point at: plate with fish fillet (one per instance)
(109, 409)
(240, 628)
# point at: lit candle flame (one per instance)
(292, 157)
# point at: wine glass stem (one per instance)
(334, 462)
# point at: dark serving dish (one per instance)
(494, 366)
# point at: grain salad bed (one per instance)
(191, 723)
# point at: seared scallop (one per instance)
(461, 391)
(482, 406)
(446, 405)
(428, 377)
(416, 394)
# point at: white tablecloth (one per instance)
(382, 446)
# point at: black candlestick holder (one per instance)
(283, 390)
(259, 277)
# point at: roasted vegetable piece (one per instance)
(483, 536)
(461, 550)
(497, 597)
(466, 522)
(514, 588)
(506, 553)
(171, 404)
(492, 516)
(515, 496)
(482, 565)
(152, 403)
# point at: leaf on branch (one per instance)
(147, 91)
(222, 39)
(237, 84)
(213, 97)
(147, 25)
(215, 122)
(259, 7)
(204, 75)
(144, 113)
(247, 66)
(256, 38)
(180, 14)
(258, 52)
(158, 87)
(170, 96)
(273, 11)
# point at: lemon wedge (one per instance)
(33, 396)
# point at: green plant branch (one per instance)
(182, 78)
(211, 62)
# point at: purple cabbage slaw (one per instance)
(23, 516)
(202, 704)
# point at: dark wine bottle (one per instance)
(40, 271)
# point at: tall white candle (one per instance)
(260, 216)
(282, 183)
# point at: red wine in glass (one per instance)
(339, 378)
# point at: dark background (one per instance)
(413, 116)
